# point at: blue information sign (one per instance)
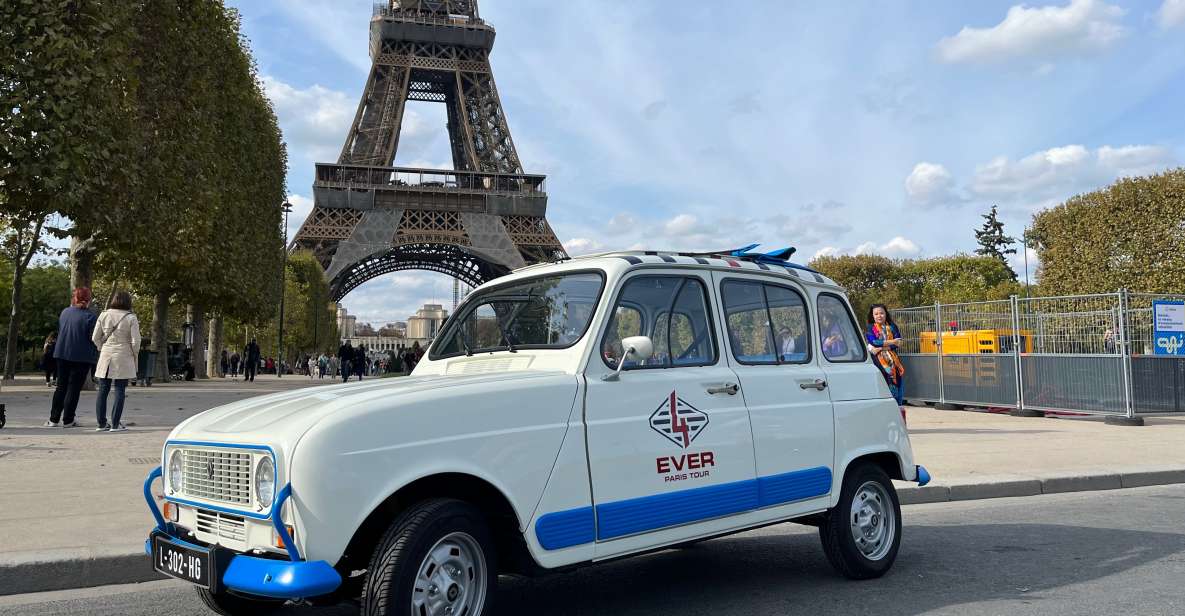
(1168, 327)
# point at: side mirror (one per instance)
(637, 348)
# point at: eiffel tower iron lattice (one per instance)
(474, 222)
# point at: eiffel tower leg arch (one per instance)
(459, 262)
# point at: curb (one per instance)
(914, 495)
(30, 572)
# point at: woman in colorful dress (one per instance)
(884, 337)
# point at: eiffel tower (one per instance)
(474, 222)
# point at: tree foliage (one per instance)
(992, 240)
(1130, 234)
(872, 279)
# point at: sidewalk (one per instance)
(72, 514)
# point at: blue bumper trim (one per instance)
(923, 476)
(280, 579)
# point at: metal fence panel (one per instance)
(1157, 381)
(979, 380)
(921, 377)
(1064, 382)
(922, 381)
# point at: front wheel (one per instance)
(862, 533)
(234, 605)
(436, 559)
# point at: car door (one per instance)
(770, 346)
(669, 441)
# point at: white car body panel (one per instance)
(557, 441)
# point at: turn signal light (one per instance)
(170, 511)
(279, 541)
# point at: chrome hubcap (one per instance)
(452, 579)
(874, 524)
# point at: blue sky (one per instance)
(833, 127)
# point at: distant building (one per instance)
(398, 336)
(346, 323)
(426, 322)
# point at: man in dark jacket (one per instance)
(250, 361)
(76, 356)
(345, 354)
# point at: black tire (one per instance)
(391, 577)
(835, 531)
(233, 605)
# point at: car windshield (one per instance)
(550, 312)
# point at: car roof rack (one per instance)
(775, 257)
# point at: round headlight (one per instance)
(175, 473)
(265, 482)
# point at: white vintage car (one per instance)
(568, 413)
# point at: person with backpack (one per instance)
(48, 363)
(75, 356)
(117, 336)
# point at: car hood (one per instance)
(280, 419)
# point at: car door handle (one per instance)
(727, 388)
(818, 384)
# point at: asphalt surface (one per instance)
(158, 406)
(1115, 552)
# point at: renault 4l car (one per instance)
(567, 413)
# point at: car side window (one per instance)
(767, 324)
(837, 331)
(672, 311)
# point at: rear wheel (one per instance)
(437, 559)
(233, 605)
(862, 533)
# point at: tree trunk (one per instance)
(160, 335)
(82, 257)
(14, 324)
(198, 316)
(214, 361)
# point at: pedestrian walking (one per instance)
(251, 359)
(884, 338)
(117, 336)
(234, 365)
(48, 363)
(360, 361)
(322, 364)
(312, 366)
(75, 356)
(345, 355)
(223, 363)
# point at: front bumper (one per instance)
(295, 578)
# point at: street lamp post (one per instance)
(286, 208)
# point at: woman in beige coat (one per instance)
(117, 336)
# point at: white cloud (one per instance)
(683, 225)
(897, 247)
(1039, 32)
(1172, 13)
(930, 184)
(826, 251)
(314, 120)
(582, 246)
(1061, 171)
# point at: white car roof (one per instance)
(615, 262)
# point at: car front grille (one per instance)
(223, 525)
(218, 475)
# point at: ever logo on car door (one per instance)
(669, 442)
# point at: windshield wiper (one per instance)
(505, 336)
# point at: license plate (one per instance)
(184, 563)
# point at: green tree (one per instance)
(868, 279)
(992, 240)
(873, 279)
(1130, 234)
(22, 240)
(46, 284)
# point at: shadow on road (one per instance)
(938, 566)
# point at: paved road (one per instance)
(1117, 552)
(159, 406)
